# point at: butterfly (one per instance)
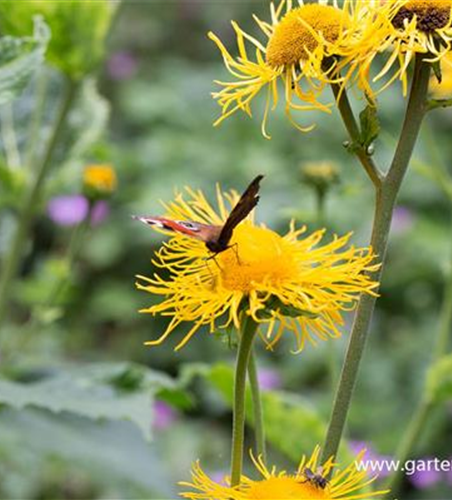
(215, 237)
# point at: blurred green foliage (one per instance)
(74, 431)
(78, 28)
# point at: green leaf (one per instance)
(436, 67)
(282, 411)
(79, 29)
(274, 304)
(20, 58)
(112, 453)
(89, 119)
(112, 391)
(370, 125)
(439, 380)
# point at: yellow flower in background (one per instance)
(302, 50)
(345, 484)
(99, 180)
(414, 27)
(320, 175)
(443, 89)
(293, 283)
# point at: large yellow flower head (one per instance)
(345, 484)
(414, 27)
(291, 283)
(302, 50)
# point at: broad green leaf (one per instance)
(291, 424)
(439, 380)
(112, 391)
(112, 453)
(20, 58)
(370, 125)
(79, 29)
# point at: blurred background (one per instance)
(87, 410)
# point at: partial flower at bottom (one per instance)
(347, 483)
(293, 283)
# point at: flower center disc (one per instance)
(257, 256)
(292, 39)
(287, 488)
(430, 14)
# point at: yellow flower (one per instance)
(320, 175)
(443, 89)
(413, 27)
(302, 49)
(99, 179)
(286, 283)
(345, 484)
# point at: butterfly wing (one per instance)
(246, 203)
(193, 229)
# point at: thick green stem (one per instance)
(386, 195)
(248, 333)
(259, 429)
(12, 259)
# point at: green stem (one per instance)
(408, 441)
(9, 137)
(12, 259)
(36, 119)
(248, 333)
(259, 429)
(425, 408)
(386, 195)
(445, 317)
(438, 103)
(73, 252)
(320, 195)
(352, 127)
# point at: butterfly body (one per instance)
(215, 237)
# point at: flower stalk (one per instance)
(387, 189)
(259, 429)
(249, 328)
(32, 197)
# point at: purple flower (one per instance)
(402, 220)
(219, 477)
(70, 210)
(121, 65)
(67, 210)
(449, 473)
(423, 479)
(101, 210)
(164, 415)
(268, 379)
(377, 463)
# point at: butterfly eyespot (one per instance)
(189, 225)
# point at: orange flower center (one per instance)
(287, 488)
(295, 36)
